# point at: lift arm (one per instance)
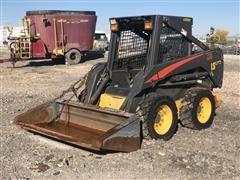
(188, 36)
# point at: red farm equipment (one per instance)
(54, 34)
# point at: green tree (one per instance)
(221, 36)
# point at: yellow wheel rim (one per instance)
(204, 110)
(164, 120)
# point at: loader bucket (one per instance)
(85, 126)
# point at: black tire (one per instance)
(73, 56)
(190, 109)
(148, 111)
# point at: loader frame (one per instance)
(156, 73)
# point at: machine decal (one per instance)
(162, 73)
(184, 32)
(215, 64)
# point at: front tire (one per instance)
(159, 116)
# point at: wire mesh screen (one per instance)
(132, 50)
(173, 45)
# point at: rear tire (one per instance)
(73, 56)
(198, 109)
(159, 117)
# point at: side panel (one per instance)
(217, 66)
(202, 61)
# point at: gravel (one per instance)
(213, 153)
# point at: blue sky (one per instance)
(223, 14)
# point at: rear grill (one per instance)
(173, 45)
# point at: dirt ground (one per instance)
(208, 154)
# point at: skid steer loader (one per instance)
(152, 82)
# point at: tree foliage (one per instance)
(221, 35)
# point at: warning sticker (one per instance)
(184, 32)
